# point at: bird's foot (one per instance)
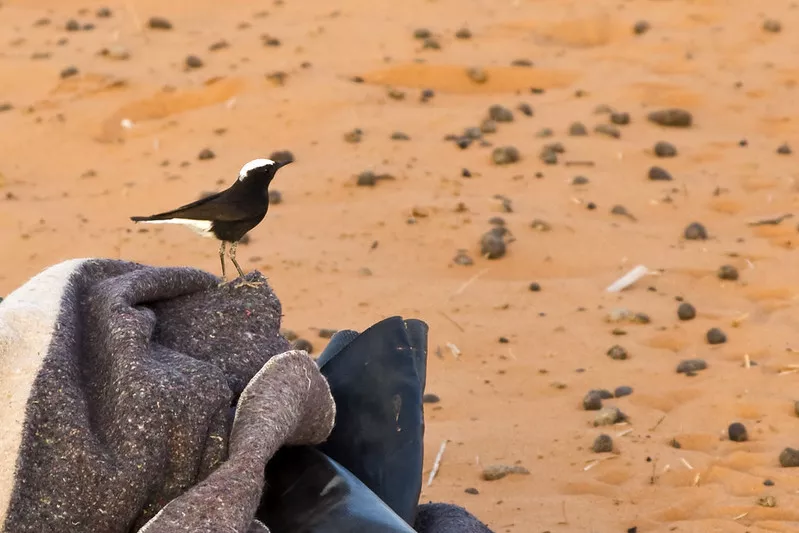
(245, 283)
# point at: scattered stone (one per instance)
(525, 109)
(691, 366)
(396, 94)
(580, 180)
(592, 401)
(472, 133)
(641, 27)
(275, 197)
(605, 394)
(277, 77)
(796, 407)
(737, 432)
(620, 119)
(772, 26)
(505, 155)
(672, 117)
(540, 225)
(665, 149)
(578, 129)
(784, 149)
(768, 483)
(608, 129)
(326, 333)
(367, 178)
(521, 63)
(193, 62)
(69, 72)
(617, 352)
(499, 113)
(488, 126)
(789, 457)
(400, 136)
(205, 154)
(159, 23)
(463, 33)
(116, 51)
(534, 287)
(622, 211)
(545, 132)
(492, 244)
(716, 336)
(302, 344)
(6, 106)
(602, 444)
(289, 334)
(728, 273)
(429, 397)
(607, 416)
(353, 136)
(462, 258)
(281, 155)
(431, 44)
(103, 13)
(72, 25)
(767, 501)
(422, 33)
(269, 40)
(477, 74)
(495, 472)
(471, 490)
(622, 391)
(686, 311)
(695, 232)
(548, 156)
(427, 94)
(659, 174)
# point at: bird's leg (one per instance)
(243, 282)
(222, 260)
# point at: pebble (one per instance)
(659, 174)
(608, 129)
(665, 149)
(525, 109)
(534, 287)
(715, 336)
(72, 25)
(686, 311)
(275, 197)
(578, 129)
(495, 472)
(218, 45)
(463, 33)
(429, 397)
(353, 136)
(605, 394)
(193, 62)
(540, 225)
(116, 51)
(477, 74)
(159, 23)
(622, 391)
(772, 26)
(500, 113)
(592, 401)
(6, 106)
(103, 13)
(695, 232)
(471, 490)
(691, 366)
(521, 63)
(431, 44)
(602, 444)
(789, 457)
(796, 407)
(737, 432)
(400, 136)
(69, 72)
(427, 94)
(580, 180)
(620, 119)
(289, 334)
(462, 258)
(607, 416)
(367, 178)
(784, 149)
(504, 155)
(488, 126)
(302, 344)
(727, 272)
(492, 244)
(671, 117)
(326, 333)
(641, 27)
(548, 156)
(545, 132)
(205, 154)
(617, 352)
(422, 33)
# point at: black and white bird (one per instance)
(227, 215)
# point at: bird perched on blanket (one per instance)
(227, 215)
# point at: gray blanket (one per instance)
(118, 381)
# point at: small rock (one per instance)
(727, 272)
(691, 366)
(275, 197)
(367, 178)
(429, 397)
(103, 13)
(695, 232)
(622, 391)
(665, 149)
(715, 336)
(499, 113)
(617, 352)
(495, 472)
(521, 63)
(602, 444)
(784, 149)
(396, 94)
(605, 394)
(72, 25)
(768, 483)
(620, 119)
(400, 136)
(540, 225)
(431, 44)
(548, 156)
(641, 27)
(353, 136)
(578, 129)
(426, 95)
(422, 33)
(525, 109)
(545, 132)
(607, 416)
(159, 23)
(492, 244)
(504, 155)
(796, 407)
(488, 126)
(326, 333)
(534, 287)
(302, 344)
(193, 62)
(471, 490)
(472, 133)
(659, 174)
(686, 311)
(116, 51)
(767, 501)
(772, 26)
(205, 154)
(580, 180)
(477, 74)
(289, 334)
(69, 72)
(608, 129)
(672, 117)
(789, 457)
(463, 33)
(592, 401)
(6, 106)
(462, 258)
(218, 45)
(737, 432)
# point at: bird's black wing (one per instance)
(213, 207)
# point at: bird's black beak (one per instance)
(279, 164)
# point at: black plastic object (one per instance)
(308, 492)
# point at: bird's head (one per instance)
(261, 168)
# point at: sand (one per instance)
(344, 256)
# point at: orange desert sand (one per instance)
(121, 137)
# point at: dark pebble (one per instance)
(737, 432)
(492, 245)
(715, 336)
(504, 340)
(784, 149)
(429, 397)
(580, 180)
(607, 416)
(608, 129)
(622, 391)
(525, 109)
(578, 129)
(422, 33)
(6, 106)
(89, 26)
(427, 94)
(768, 483)
(789, 457)
(727, 272)
(691, 366)
(672, 117)
(602, 444)
(504, 155)
(205, 154)
(548, 156)
(69, 72)
(218, 45)
(275, 197)
(695, 232)
(488, 126)
(289, 334)
(659, 174)
(620, 119)
(281, 155)
(367, 178)
(466, 173)
(499, 113)
(159, 23)
(471, 490)
(772, 26)
(463, 142)
(605, 394)
(326, 333)
(463, 33)
(686, 311)
(534, 287)
(617, 352)
(665, 149)
(72, 25)
(400, 136)
(431, 44)
(103, 13)
(545, 132)
(194, 62)
(592, 401)
(462, 258)
(473, 133)
(302, 344)
(521, 63)
(641, 27)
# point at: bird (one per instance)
(227, 215)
